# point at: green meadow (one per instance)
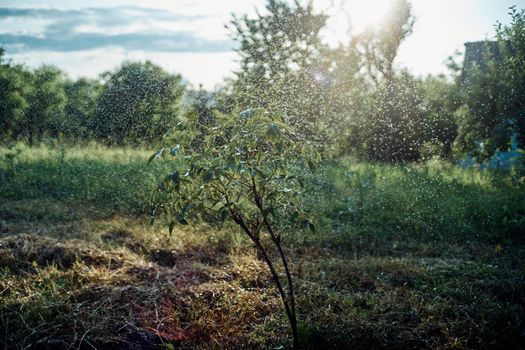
(426, 255)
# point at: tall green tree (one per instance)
(279, 51)
(512, 44)
(380, 45)
(139, 103)
(82, 96)
(378, 105)
(440, 100)
(13, 102)
(395, 122)
(346, 100)
(46, 102)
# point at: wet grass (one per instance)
(392, 265)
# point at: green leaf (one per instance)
(260, 157)
(273, 132)
(224, 213)
(317, 156)
(188, 206)
(240, 151)
(311, 165)
(247, 113)
(166, 181)
(307, 223)
(151, 157)
(182, 220)
(285, 190)
(260, 172)
(175, 150)
(230, 164)
(208, 176)
(157, 155)
(154, 155)
(175, 178)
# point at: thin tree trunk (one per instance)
(289, 312)
(276, 240)
(288, 275)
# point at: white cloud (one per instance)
(221, 8)
(197, 68)
(24, 25)
(211, 28)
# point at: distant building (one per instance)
(479, 54)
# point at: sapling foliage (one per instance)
(247, 171)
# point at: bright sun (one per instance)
(367, 12)
(361, 13)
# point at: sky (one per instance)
(86, 38)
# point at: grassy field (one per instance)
(418, 256)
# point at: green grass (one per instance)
(117, 180)
(418, 256)
(372, 207)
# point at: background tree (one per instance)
(347, 100)
(199, 113)
(138, 103)
(378, 110)
(511, 39)
(440, 100)
(380, 45)
(279, 53)
(393, 125)
(46, 101)
(12, 96)
(82, 96)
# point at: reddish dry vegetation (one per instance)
(116, 287)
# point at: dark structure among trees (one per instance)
(480, 54)
(490, 118)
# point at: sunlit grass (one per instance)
(87, 151)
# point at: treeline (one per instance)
(349, 100)
(137, 103)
